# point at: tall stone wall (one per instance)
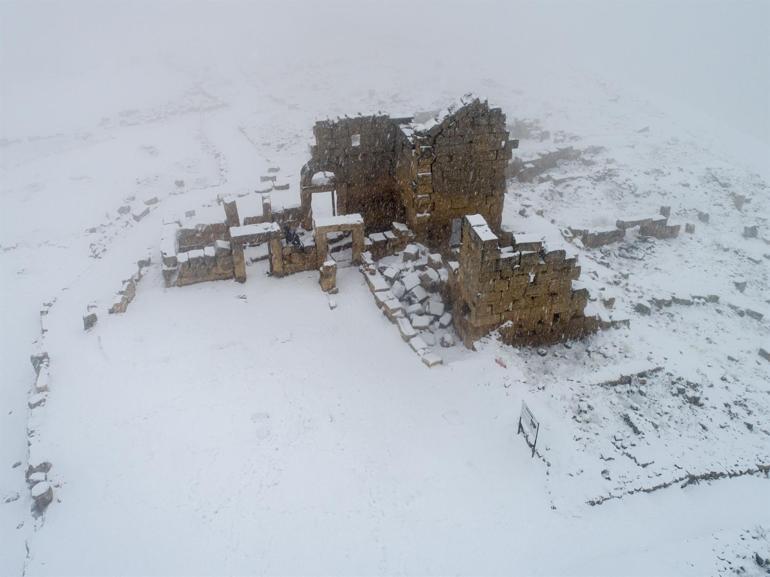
(458, 169)
(527, 295)
(424, 174)
(362, 153)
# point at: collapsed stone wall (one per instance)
(362, 153)
(528, 296)
(458, 167)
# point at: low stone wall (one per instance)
(214, 262)
(597, 238)
(193, 255)
(659, 228)
(527, 295)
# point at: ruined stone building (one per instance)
(428, 175)
(428, 194)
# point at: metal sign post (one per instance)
(529, 425)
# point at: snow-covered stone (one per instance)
(435, 308)
(411, 280)
(418, 344)
(406, 329)
(431, 359)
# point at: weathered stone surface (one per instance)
(89, 320)
(42, 496)
(36, 400)
(328, 275)
(528, 297)
(597, 238)
(427, 175)
(431, 359)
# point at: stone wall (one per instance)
(424, 174)
(362, 153)
(458, 168)
(213, 262)
(527, 295)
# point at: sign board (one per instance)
(528, 425)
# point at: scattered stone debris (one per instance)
(439, 182)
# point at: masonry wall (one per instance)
(528, 296)
(459, 169)
(362, 153)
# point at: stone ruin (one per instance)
(420, 202)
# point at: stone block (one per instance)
(89, 320)
(431, 359)
(328, 275)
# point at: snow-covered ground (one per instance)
(227, 428)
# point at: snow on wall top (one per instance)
(250, 229)
(339, 220)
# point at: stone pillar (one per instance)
(239, 263)
(276, 257)
(328, 277)
(306, 201)
(358, 243)
(267, 208)
(322, 245)
(231, 213)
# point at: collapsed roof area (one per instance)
(418, 205)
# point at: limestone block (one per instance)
(429, 278)
(406, 329)
(421, 322)
(435, 308)
(239, 264)
(42, 382)
(36, 400)
(445, 320)
(376, 282)
(89, 320)
(411, 252)
(328, 276)
(39, 358)
(418, 344)
(419, 294)
(42, 496)
(431, 359)
(392, 309)
(414, 309)
(750, 231)
(398, 289)
(447, 340)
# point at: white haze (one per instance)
(706, 63)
